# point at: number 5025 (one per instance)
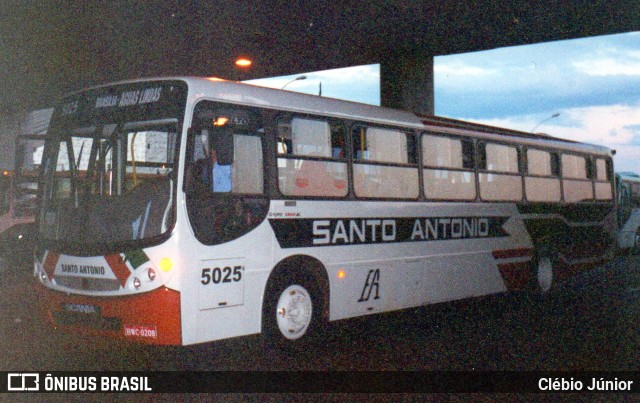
(221, 275)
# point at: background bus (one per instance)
(20, 186)
(17, 223)
(628, 193)
(188, 210)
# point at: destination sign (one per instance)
(129, 98)
(145, 100)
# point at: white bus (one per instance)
(313, 210)
(628, 194)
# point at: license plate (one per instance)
(82, 308)
(140, 331)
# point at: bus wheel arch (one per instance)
(296, 302)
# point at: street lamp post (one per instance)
(295, 79)
(555, 115)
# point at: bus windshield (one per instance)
(109, 178)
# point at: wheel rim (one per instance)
(545, 273)
(294, 312)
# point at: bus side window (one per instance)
(384, 145)
(502, 158)
(541, 179)
(311, 157)
(602, 179)
(577, 185)
(448, 168)
(384, 163)
(501, 180)
(602, 170)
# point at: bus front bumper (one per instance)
(151, 318)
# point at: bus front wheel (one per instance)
(293, 314)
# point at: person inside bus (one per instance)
(211, 173)
(220, 173)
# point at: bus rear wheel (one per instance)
(544, 279)
(292, 314)
(544, 274)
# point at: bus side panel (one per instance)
(413, 266)
(403, 283)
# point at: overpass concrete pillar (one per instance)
(406, 82)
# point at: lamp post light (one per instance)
(295, 79)
(555, 115)
(243, 62)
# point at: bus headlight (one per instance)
(136, 283)
(152, 274)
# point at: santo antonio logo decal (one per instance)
(309, 232)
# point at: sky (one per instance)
(593, 84)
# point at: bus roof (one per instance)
(503, 134)
(628, 176)
(254, 95)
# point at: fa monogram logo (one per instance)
(373, 280)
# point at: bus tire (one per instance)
(544, 279)
(293, 313)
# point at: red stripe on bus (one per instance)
(516, 276)
(119, 267)
(511, 253)
(50, 263)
